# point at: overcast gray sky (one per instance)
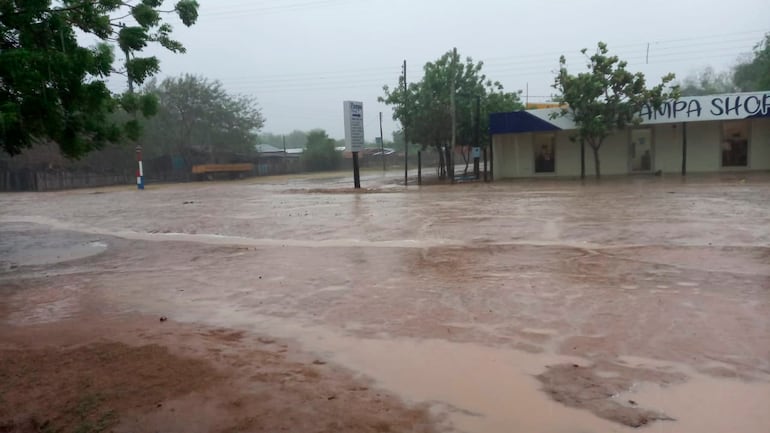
(302, 58)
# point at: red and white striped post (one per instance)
(140, 170)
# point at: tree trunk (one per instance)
(450, 164)
(582, 159)
(596, 160)
(466, 157)
(441, 172)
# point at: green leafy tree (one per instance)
(424, 107)
(605, 99)
(754, 75)
(270, 138)
(708, 82)
(294, 140)
(320, 153)
(398, 140)
(198, 116)
(53, 88)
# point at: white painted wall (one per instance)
(613, 155)
(514, 153)
(502, 156)
(667, 154)
(567, 155)
(759, 150)
(703, 152)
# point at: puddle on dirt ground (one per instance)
(702, 403)
(494, 390)
(23, 245)
(706, 404)
(482, 389)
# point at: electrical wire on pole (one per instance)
(382, 145)
(406, 137)
(451, 167)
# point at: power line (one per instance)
(527, 59)
(703, 40)
(336, 72)
(378, 80)
(523, 63)
(237, 13)
(713, 36)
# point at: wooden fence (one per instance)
(29, 180)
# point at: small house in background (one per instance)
(715, 133)
(266, 150)
(272, 160)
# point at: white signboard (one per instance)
(354, 125)
(716, 107)
(728, 106)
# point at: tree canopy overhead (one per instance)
(52, 87)
(605, 99)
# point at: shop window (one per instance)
(735, 144)
(545, 156)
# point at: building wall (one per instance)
(613, 155)
(759, 155)
(567, 155)
(514, 154)
(668, 148)
(703, 139)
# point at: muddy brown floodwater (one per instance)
(301, 305)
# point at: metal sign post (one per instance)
(476, 154)
(354, 134)
(140, 169)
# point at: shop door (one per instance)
(641, 150)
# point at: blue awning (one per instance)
(518, 121)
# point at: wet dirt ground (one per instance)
(538, 306)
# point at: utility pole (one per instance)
(451, 168)
(382, 145)
(406, 137)
(647, 56)
(476, 134)
(285, 169)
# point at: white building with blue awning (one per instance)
(715, 133)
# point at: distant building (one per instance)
(727, 132)
(266, 149)
(273, 160)
(539, 105)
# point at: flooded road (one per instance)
(548, 306)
